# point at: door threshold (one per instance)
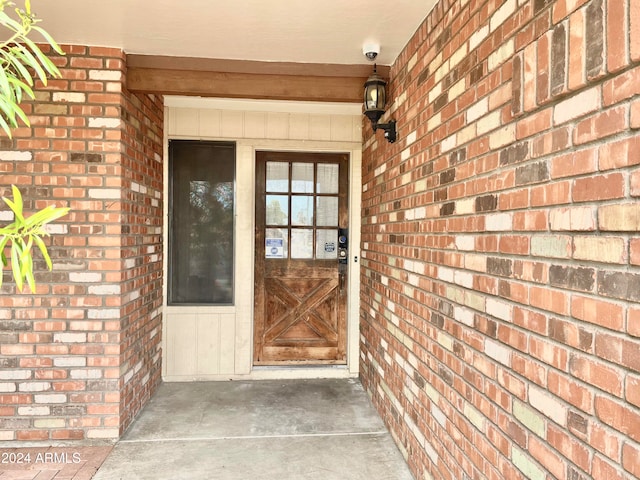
(301, 372)
(292, 366)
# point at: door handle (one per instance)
(341, 281)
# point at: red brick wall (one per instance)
(501, 260)
(80, 357)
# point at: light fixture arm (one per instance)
(389, 130)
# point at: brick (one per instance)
(601, 125)
(533, 173)
(600, 249)
(574, 278)
(596, 374)
(526, 465)
(594, 36)
(548, 405)
(621, 87)
(634, 31)
(617, 35)
(562, 8)
(558, 59)
(633, 323)
(547, 457)
(619, 416)
(548, 353)
(549, 300)
(602, 469)
(577, 52)
(574, 393)
(635, 115)
(631, 459)
(578, 424)
(551, 246)
(599, 187)
(577, 106)
(556, 193)
(517, 86)
(623, 217)
(599, 312)
(572, 218)
(619, 154)
(618, 350)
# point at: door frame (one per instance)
(264, 126)
(354, 168)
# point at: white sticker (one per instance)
(274, 248)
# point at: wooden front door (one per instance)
(300, 263)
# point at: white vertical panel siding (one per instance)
(217, 342)
(233, 124)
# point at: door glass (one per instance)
(276, 244)
(277, 177)
(327, 244)
(302, 178)
(277, 210)
(328, 178)
(327, 212)
(301, 243)
(302, 210)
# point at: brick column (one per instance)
(80, 357)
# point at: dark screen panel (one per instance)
(202, 178)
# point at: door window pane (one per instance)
(301, 243)
(201, 238)
(302, 210)
(327, 212)
(276, 243)
(302, 178)
(327, 244)
(328, 178)
(277, 210)
(277, 176)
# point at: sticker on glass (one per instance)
(274, 248)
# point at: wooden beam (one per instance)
(247, 79)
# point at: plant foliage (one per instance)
(22, 234)
(21, 61)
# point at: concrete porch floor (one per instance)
(266, 430)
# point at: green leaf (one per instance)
(31, 281)
(20, 69)
(15, 266)
(16, 204)
(49, 40)
(5, 126)
(3, 245)
(31, 61)
(25, 256)
(43, 250)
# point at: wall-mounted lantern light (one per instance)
(375, 99)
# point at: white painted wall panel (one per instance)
(208, 344)
(232, 124)
(180, 344)
(299, 126)
(342, 129)
(278, 125)
(255, 125)
(210, 121)
(186, 121)
(216, 343)
(320, 127)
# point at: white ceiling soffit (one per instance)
(305, 31)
